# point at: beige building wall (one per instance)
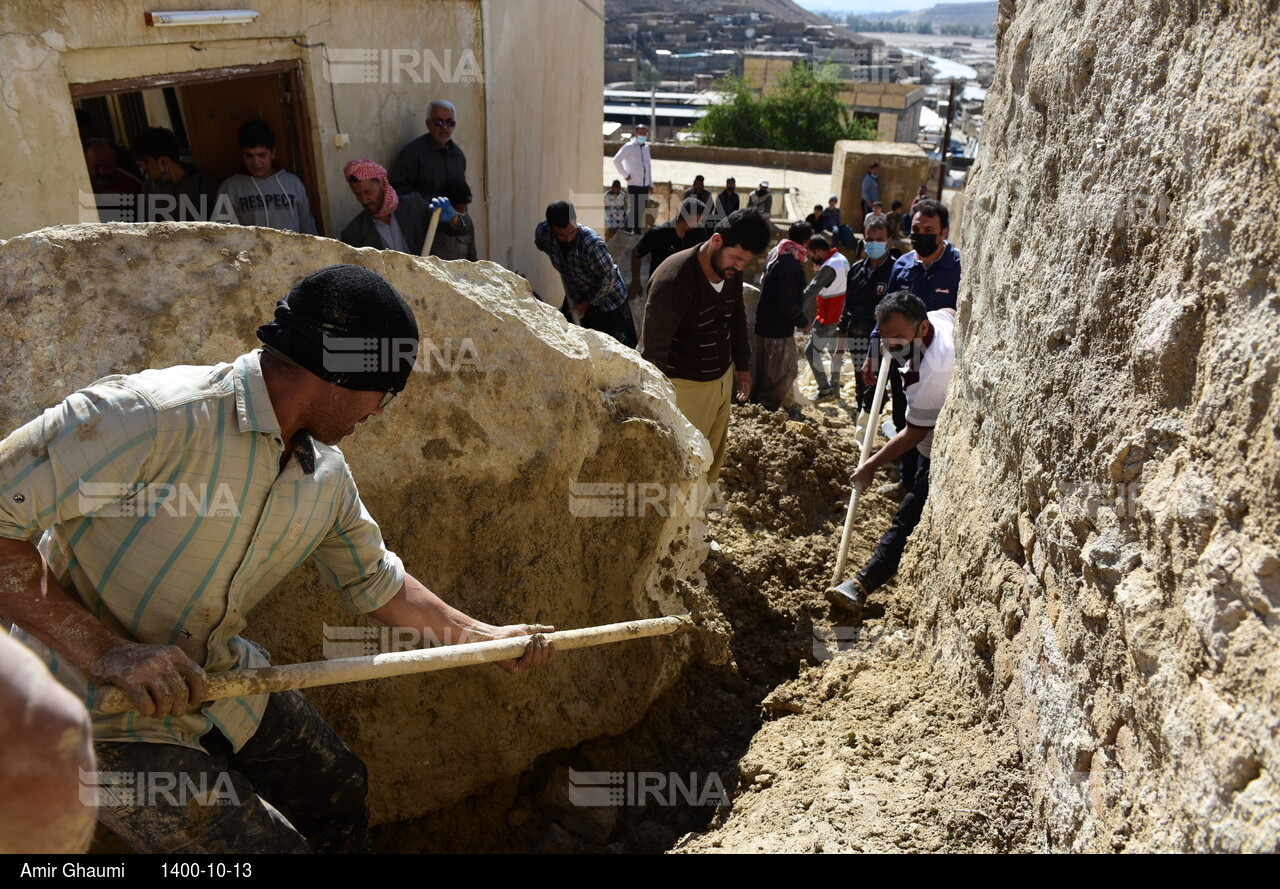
(903, 169)
(527, 121)
(544, 106)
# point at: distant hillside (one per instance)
(784, 10)
(954, 14)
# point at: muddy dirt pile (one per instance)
(495, 476)
(1100, 559)
(752, 741)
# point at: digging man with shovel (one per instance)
(924, 343)
(125, 592)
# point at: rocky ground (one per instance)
(807, 735)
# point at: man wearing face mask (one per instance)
(176, 191)
(867, 285)
(932, 272)
(926, 339)
(635, 166)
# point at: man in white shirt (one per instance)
(925, 343)
(636, 167)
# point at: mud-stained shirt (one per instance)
(165, 512)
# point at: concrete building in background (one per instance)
(334, 82)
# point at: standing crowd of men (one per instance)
(427, 176)
(104, 600)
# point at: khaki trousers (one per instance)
(706, 406)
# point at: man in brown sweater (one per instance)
(695, 325)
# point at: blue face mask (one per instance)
(876, 249)
(642, 139)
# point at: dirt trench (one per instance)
(806, 735)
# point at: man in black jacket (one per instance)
(388, 221)
(778, 316)
(684, 231)
(867, 284)
(424, 164)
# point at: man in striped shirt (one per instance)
(168, 504)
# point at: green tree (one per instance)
(647, 75)
(801, 111)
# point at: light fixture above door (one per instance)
(189, 18)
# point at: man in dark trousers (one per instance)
(925, 341)
(592, 283)
(779, 314)
(118, 592)
(932, 272)
(868, 283)
(695, 325)
(635, 165)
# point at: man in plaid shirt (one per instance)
(592, 283)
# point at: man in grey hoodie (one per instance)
(267, 196)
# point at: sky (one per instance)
(862, 7)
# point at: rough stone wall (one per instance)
(1099, 556)
(468, 474)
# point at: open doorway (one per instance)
(205, 109)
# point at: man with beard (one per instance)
(388, 221)
(728, 200)
(695, 325)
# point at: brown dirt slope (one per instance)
(823, 737)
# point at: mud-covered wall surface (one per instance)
(1100, 557)
(468, 473)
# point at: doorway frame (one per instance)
(299, 101)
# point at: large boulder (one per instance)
(473, 474)
(1100, 557)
